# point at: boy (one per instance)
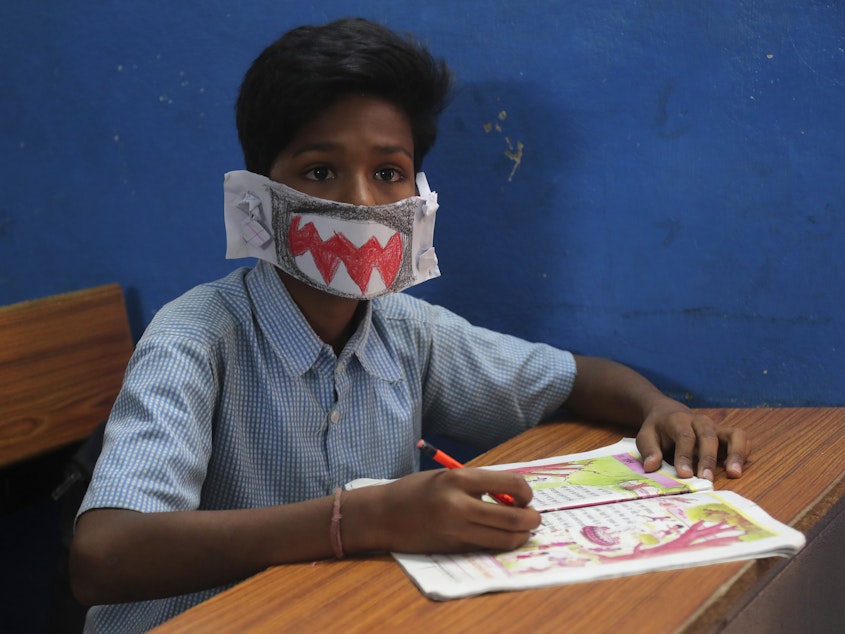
(250, 401)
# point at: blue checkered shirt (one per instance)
(232, 401)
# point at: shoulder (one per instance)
(404, 317)
(401, 307)
(205, 313)
(405, 321)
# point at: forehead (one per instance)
(356, 119)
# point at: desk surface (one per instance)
(796, 473)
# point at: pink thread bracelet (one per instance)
(334, 529)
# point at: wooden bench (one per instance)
(62, 360)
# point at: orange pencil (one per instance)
(450, 463)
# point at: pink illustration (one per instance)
(697, 536)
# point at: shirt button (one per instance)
(334, 417)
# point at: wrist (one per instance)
(360, 526)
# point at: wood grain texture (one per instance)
(796, 474)
(62, 360)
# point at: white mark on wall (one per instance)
(514, 150)
(822, 50)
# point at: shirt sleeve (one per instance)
(158, 438)
(484, 387)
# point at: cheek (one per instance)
(388, 193)
(279, 172)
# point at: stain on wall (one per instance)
(514, 149)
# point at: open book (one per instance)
(603, 517)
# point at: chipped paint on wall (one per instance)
(514, 151)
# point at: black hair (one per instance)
(310, 67)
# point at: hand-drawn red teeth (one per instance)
(359, 261)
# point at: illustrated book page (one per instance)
(584, 539)
(611, 474)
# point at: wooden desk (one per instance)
(797, 473)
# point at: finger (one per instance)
(739, 449)
(684, 437)
(708, 445)
(648, 444)
(508, 518)
(478, 482)
(482, 536)
(486, 525)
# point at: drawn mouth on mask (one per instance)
(342, 253)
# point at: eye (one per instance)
(389, 174)
(319, 173)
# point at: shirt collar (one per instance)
(296, 343)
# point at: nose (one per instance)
(358, 190)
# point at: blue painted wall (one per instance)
(661, 182)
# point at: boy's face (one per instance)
(359, 150)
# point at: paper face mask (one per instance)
(356, 251)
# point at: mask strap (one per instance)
(422, 185)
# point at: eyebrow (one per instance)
(327, 146)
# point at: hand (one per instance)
(671, 424)
(440, 511)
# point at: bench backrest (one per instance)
(62, 360)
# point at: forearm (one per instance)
(608, 391)
(121, 555)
